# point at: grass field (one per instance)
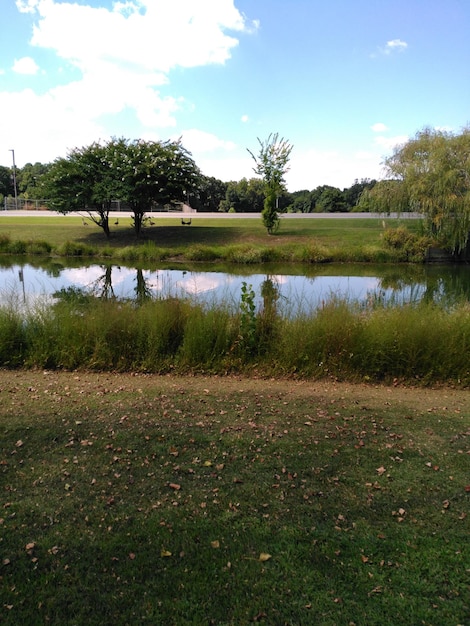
(225, 501)
(341, 239)
(214, 501)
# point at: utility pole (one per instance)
(14, 179)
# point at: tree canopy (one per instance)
(431, 174)
(6, 182)
(272, 165)
(141, 174)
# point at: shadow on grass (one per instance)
(167, 236)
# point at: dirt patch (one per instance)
(416, 400)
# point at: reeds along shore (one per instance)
(421, 344)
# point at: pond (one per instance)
(297, 288)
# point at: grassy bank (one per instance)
(424, 343)
(232, 240)
(177, 501)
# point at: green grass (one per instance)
(178, 501)
(235, 240)
(423, 344)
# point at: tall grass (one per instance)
(422, 343)
(299, 241)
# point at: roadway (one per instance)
(216, 215)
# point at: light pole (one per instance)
(14, 178)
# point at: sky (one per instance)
(344, 81)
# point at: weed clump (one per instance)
(420, 343)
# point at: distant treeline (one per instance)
(243, 196)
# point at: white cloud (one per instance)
(161, 37)
(123, 55)
(245, 118)
(308, 168)
(389, 143)
(444, 129)
(27, 6)
(199, 141)
(311, 168)
(25, 65)
(392, 46)
(226, 168)
(379, 127)
(395, 45)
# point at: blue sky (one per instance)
(343, 80)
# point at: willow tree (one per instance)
(272, 165)
(432, 171)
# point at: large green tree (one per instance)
(433, 174)
(272, 165)
(244, 196)
(84, 181)
(152, 173)
(29, 179)
(211, 192)
(141, 174)
(6, 182)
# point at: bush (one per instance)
(410, 246)
(39, 247)
(73, 248)
(4, 242)
(202, 253)
(17, 247)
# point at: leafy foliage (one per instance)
(248, 320)
(84, 181)
(432, 175)
(151, 173)
(415, 246)
(139, 173)
(244, 196)
(272, 165)
(329, 199)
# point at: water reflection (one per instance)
(289, 289)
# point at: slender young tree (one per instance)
(272, 165)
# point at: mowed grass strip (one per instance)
(168, 232)
(132, 499)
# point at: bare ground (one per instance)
(417, 400)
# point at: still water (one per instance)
(297, 288)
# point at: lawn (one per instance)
(138, 499)
(168, 232)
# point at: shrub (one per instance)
(17, 247)
(202, 253)
(313, 253)
(410, 246)
(4, 242)
(73, 248)
(39, 247)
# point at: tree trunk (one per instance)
(105, 226)
(138, 219)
